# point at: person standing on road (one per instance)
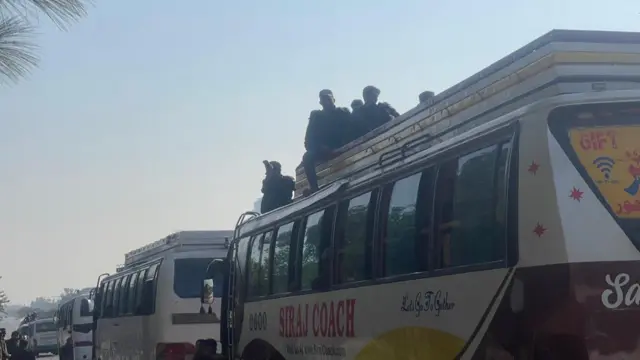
(12, 344)
(21, 352)
(4, 354)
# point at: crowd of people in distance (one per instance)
(328, 130)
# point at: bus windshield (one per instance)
(187, 277)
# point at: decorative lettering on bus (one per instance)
(329, 319)
(431, 301)
(620, 295)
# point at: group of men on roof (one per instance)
(328, 130)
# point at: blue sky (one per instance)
(151, 117)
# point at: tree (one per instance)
(17, 52)
(4, 300)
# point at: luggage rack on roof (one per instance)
(559, 62)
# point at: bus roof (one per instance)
(559, 62)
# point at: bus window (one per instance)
(100, 297)
(399, 234)
(85, 308)
(124, 295)
(465, 211)
(314, 267)
(132, 294)
(139, 292)
(108, 300)
(148, 300)
(116, 297)
(280, 267)
(254, 267)
(264, 267)
(187, 277)
(354, 239)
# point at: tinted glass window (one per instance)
(188, 275)
(255, 278)
(45, 327)
(281, 250)
(400, 256)
(264, 268)
(116, 297)
(124, 295)
(108, 306)
(140, 291)
(132, 293)
(86, 307)
(147, 305)
(315, 248)
(466, 210)
(354, 241)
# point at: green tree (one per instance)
(17, 51)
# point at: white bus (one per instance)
(74, 320)
(498, 220)
(43, 336)
(146, 309)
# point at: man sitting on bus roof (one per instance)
(356, 104)
(325, 133)
(277, 188)
(372, 114)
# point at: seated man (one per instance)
(372, 114)
(326, 132)
(277, 189)
(356, 104)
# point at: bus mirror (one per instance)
(207, 291)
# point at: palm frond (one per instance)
(61, 12)
(16, 51)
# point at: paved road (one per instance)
(49, 357)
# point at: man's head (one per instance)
(276, 167)
(370, 94)
(355, 104)
(326, 99)
(3, 332)
(15, 335)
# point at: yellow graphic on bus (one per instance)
(412, 343)
(611, 157)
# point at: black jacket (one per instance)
(277, 190)
(368, 117)
(326, 129)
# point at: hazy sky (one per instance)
(152, 117)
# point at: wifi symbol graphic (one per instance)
(605, 164)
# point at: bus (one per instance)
(42, 336)
(498, 219)
(145, 309)
(74, 319)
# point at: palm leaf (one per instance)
(16, 51)
(17, 56)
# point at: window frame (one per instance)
(508, 132)
(291, 253)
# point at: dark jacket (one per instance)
(22, 354)
(369, 117)
(326, 129)
(12, 346)
(277, 190)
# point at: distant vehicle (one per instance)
(43, 336)
(74, 319)
(146, 308)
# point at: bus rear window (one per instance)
(188, 275)
(610, 156)
(45, 327)
(603, 142)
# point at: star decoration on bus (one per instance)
(533, 168)
(539, 230)
(576, 194)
